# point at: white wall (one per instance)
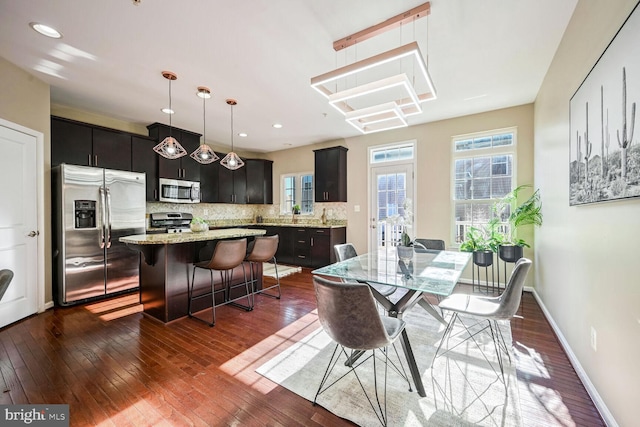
(587, 256)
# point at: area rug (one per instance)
(269, 270)
(462, 387)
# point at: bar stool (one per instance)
(264, 250)
(227, 255)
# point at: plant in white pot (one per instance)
(405, 246)
(517, 215)
(198, 224)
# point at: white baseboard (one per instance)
(595, 396)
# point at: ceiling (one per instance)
(482, 55)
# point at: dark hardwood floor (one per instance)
(116, 367)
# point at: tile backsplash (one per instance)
(222, 213)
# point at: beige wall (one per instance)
(25, 100)
(587, 270)
(433, 214)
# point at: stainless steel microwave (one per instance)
(176, 191)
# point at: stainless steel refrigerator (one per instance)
(92, 209)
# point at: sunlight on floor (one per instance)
(531, 365)
(243, 366)
(116, 308)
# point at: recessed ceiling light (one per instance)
(46, 30)
(167, 111)
(242, 134)
(277, 125)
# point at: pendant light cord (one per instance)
(232, 128)
(170, 109)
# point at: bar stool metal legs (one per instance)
(264, 250)
(227, 255)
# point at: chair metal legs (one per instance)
(225, 277)
(379, 407)
(262, 291)
(493, 330)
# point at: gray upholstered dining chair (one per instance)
(346, 251)
(348, 314)
(431, 244)
(491, 309)
(227, 255)
(263, 249)
(6, 276)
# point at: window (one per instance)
(483, 172)
(297, 189)
(392, 154)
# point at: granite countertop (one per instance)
(169, 238)
(301, 225)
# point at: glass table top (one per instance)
(435, 272)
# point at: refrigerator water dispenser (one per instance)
(85, 212)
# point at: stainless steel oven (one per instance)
(176, 191)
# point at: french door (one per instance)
(390, 186)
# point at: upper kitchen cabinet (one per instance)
(83, 144)
(144, 159)
(331, 174)
(232, 185)
(184, 168)
(209, 181)
(259, 174)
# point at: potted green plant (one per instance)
(296, 209)
(477, 240)
(517, 215)
(198, 224)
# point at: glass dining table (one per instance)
(426, 272)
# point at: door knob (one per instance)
(33, 233)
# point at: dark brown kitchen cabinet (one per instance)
(284, 254)
(232, 185)
(183, 168)
(83, 144)
(313, 247)
(71, 142)
(209, 182)
(111, 149)
(144, 159)
(259, 176)
(331, 174)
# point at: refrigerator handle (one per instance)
(108, 224)
(102, 217)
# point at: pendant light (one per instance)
(170, 148)
(232, 161)
(204, 154)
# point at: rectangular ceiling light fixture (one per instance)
(402, 89)
(409, 103)
(383, 95)
(377, 118)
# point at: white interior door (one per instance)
(390, 185)
(18, 223)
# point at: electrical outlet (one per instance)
(594, 339)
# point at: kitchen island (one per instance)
(166, 265)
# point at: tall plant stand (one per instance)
(483, 259)
(508, 255)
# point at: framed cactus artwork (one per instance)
(604, 150)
